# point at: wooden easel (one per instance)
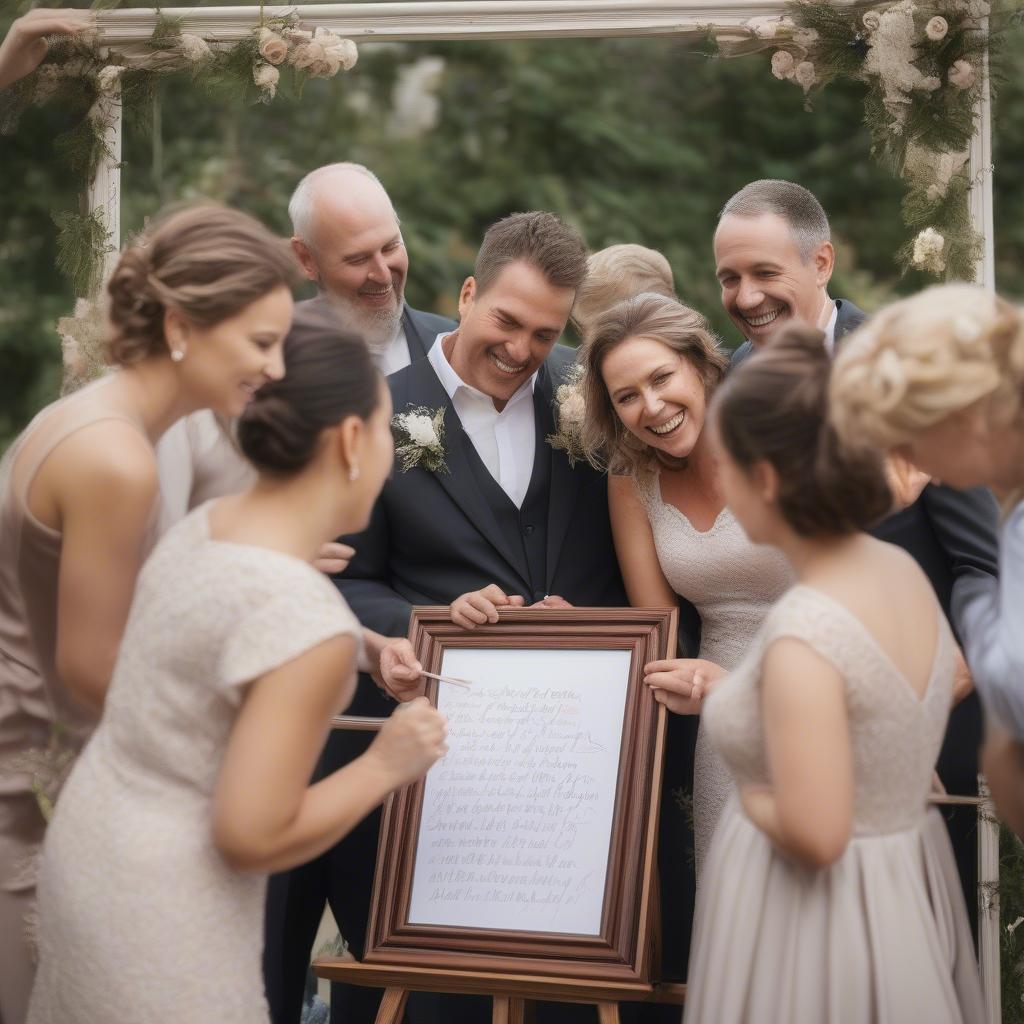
(510, 992)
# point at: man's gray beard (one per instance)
(377, 327)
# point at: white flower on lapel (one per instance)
(419, 439)
(570, 412)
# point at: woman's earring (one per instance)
(353, 474)
(177, 354)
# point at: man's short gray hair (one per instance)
(797, 206)
(303, 200)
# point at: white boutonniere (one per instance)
(570, 412)
(419, 437)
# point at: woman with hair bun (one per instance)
(830, 893)
(198, 310)
(939, 377)
(236, 655)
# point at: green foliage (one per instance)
(81, 246)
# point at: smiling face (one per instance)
(765, 281)
(656, 393)
(357, 255)
(224, 365)
(506, 331)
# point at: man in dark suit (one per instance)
(349, 241)
(504, 507)
(774, 259)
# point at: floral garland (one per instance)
(923, 63)
(80, 75)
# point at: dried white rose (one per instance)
(194, 48)
(108, 77)
(936, 28)
(297, 35)
(806, 37)
(962, 74)
(572, 410)
(273, 49)
(783, 64)
(420, 429)
(345, 52)
(871, 20)
(805, 75)
(266, 76)
(764, 27)
(928, 247)
(306, 55)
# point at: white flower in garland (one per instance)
(768, 26)
(109, 77)
(272, 48)
(871, 21)
(928, 251)
(936, 29)
(806, 38)
(932, 171)
(266, 76)
(193, 48)
(804, 75)
(570, 414)
(962, 74)
(783, 64)
(419, 439)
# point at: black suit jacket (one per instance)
(952, 535)
(420, 328)
(433, 536)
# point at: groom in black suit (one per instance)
(499, 504)
(774, 259)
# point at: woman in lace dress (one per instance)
(198, 309)
(195, 785)
(940, 376)
(651, 368)
(830, 892)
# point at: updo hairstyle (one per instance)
(606, 441)
(208, 262)
(616, 273)
(773, 408)
(329, 375)
(925, 358)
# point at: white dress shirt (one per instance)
(830, 330)
(395, 356)
(505, 441)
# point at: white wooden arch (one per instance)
(128, 31)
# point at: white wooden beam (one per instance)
(104, 193)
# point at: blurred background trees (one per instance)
(633, 140)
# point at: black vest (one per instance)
(525, 529)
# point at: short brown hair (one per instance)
(774, 408)
(796, 205)
(540, 239)
(208, 262)
(605, 440)
(619, 272)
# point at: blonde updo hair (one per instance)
(606, 442)
(616, 273)
(925, 358)
(208, 262)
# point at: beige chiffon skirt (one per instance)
(880, 937)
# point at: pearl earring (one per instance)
(353, 474)
(177, 354)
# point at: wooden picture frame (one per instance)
(620, 948)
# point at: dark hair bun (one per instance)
(329, 375)
(275, 436)
(774, 408)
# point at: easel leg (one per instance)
(608, 1013)
(392, 1006)
(507, 1010)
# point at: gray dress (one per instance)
(881, 936)
(732, 583)
(140, 917)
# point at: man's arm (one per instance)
(366, 583)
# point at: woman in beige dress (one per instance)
(198, 311)
(829, 894)
(196, 785)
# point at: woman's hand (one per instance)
(682, 683)
(480, 606)
(398, 671)
(410, 741)
(25, 46)
(552, 601)
(333, 558)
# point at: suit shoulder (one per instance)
(430, 323)
(559, 360)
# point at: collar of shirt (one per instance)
(455, 385)
(830, 329)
